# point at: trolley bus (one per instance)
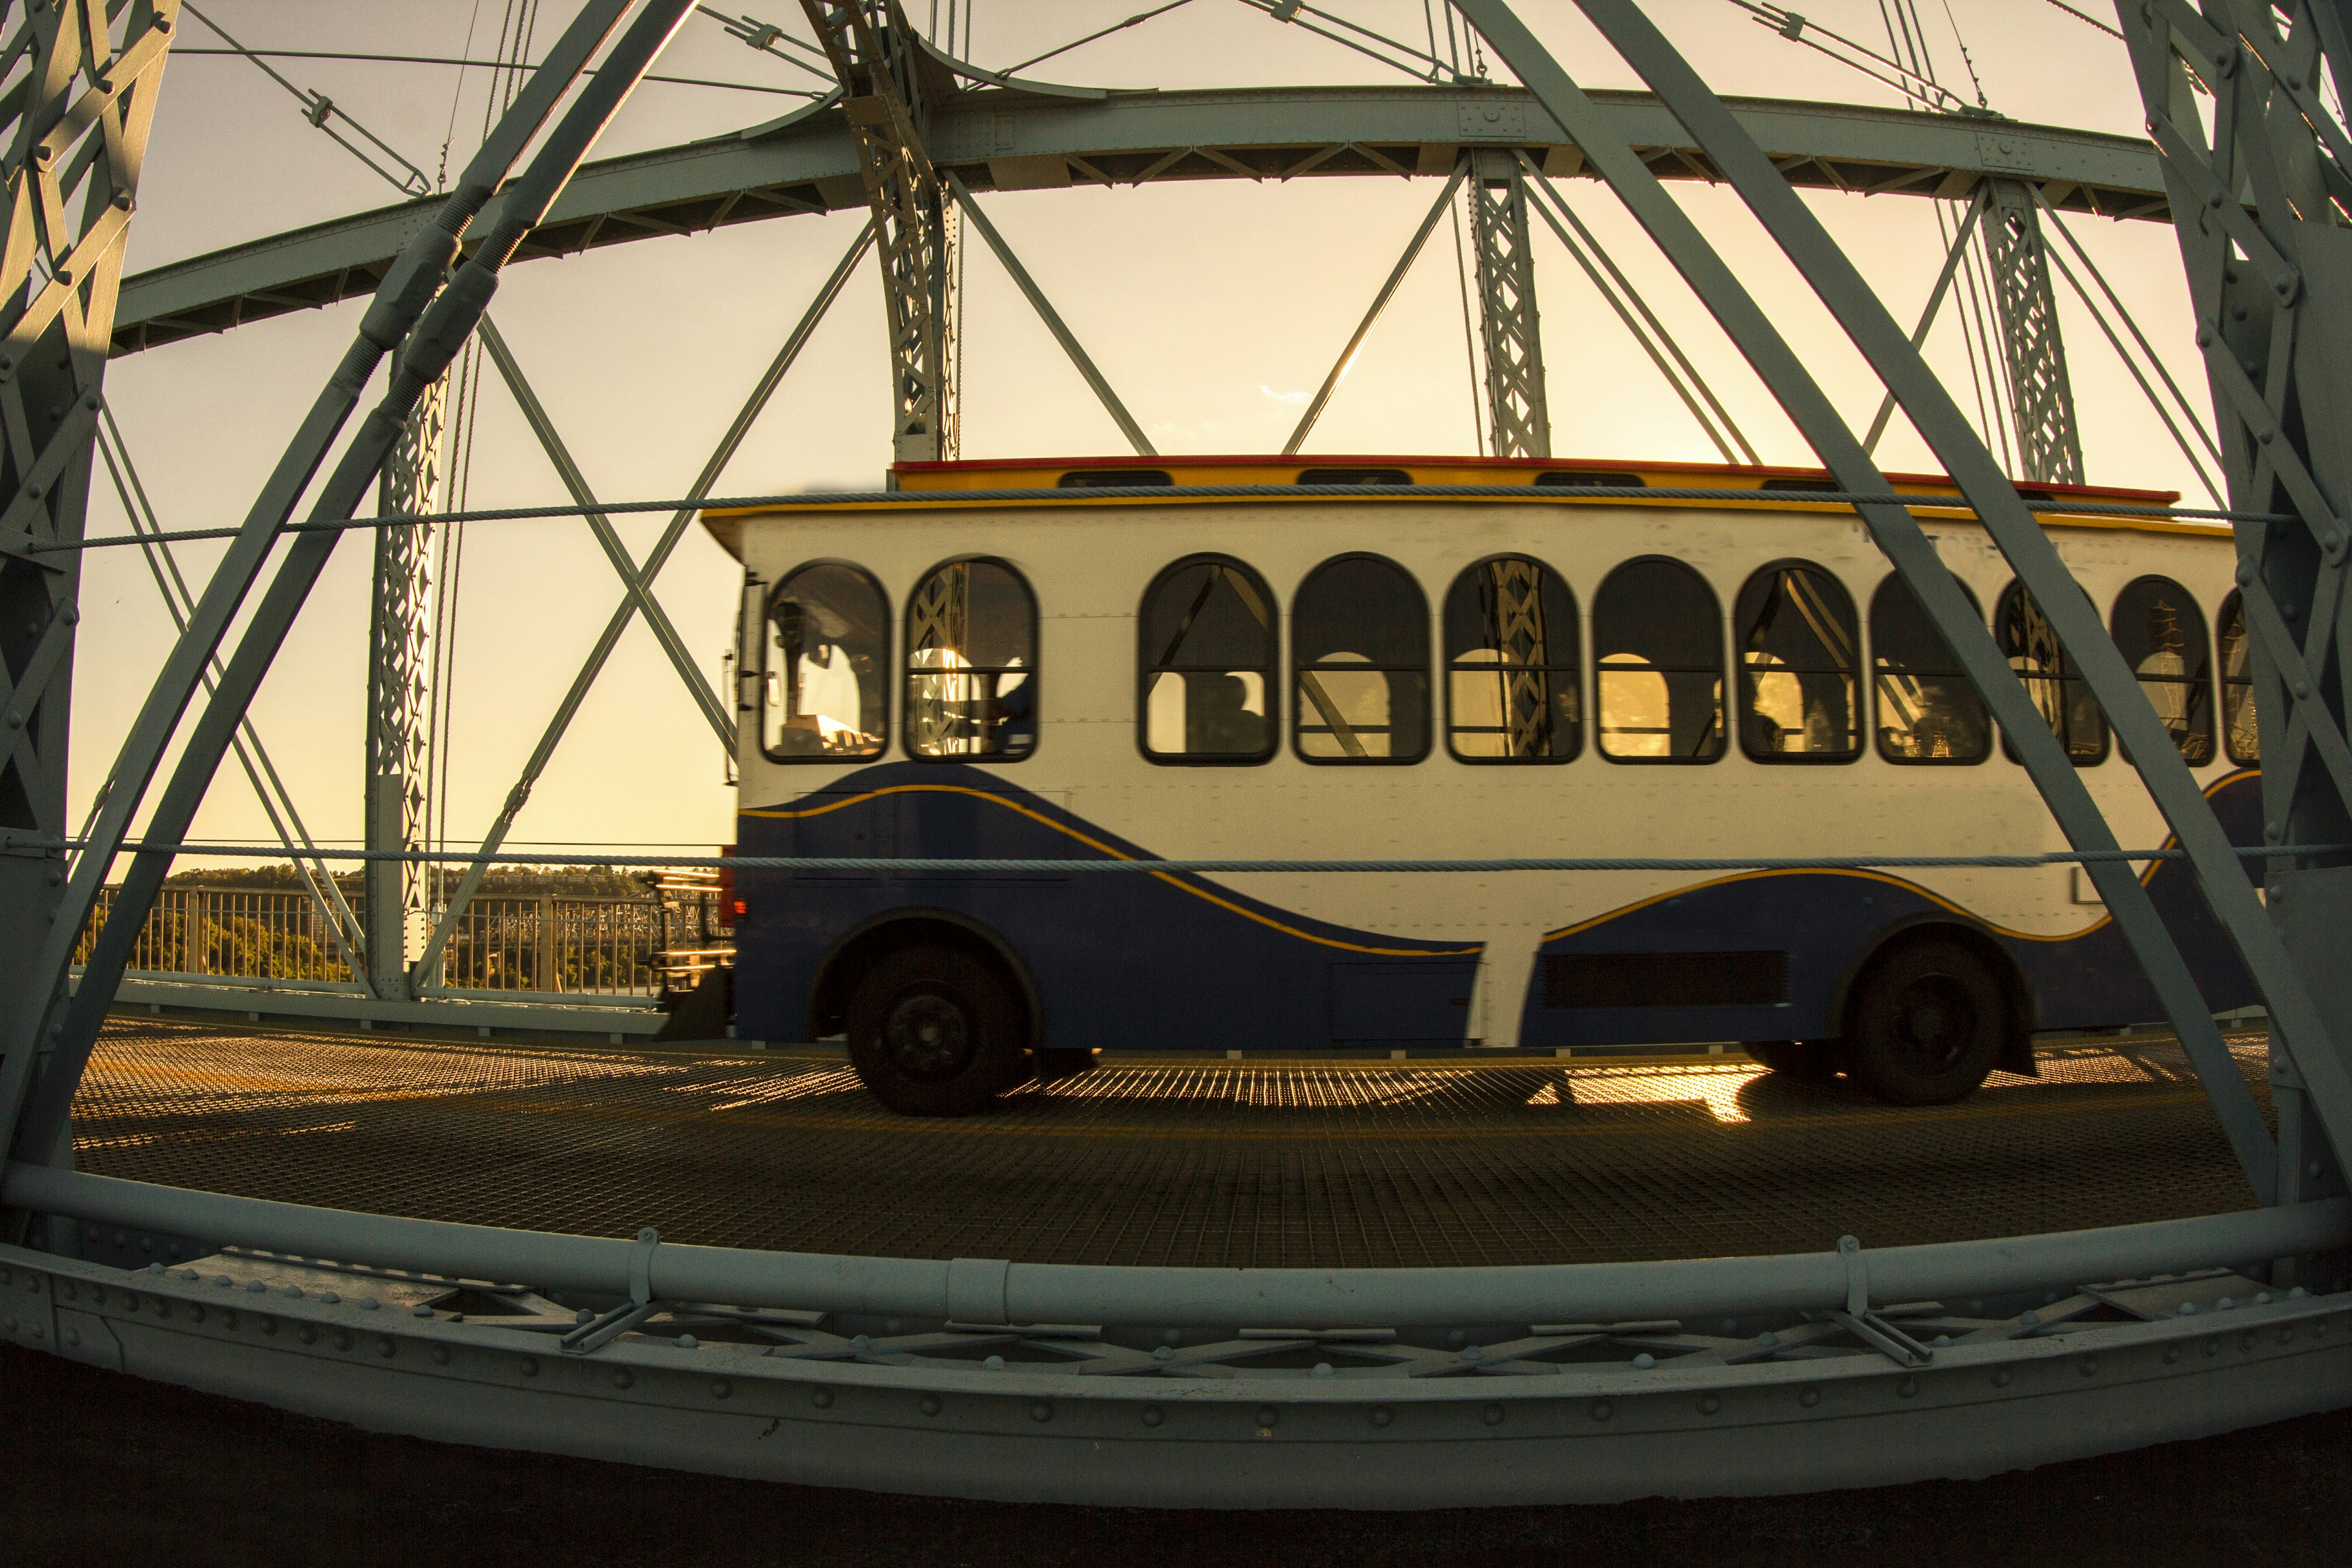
(1216, 668)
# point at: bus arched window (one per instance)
(1798, 648)
(1512, 669)
(1208, 664)
(1929, 711)
(824, 697)
(971, 664)
(1359, 645)
(2032, 647)
(2237, 733)
(1657, 644)
(2160, 631)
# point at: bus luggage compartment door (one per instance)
(1396, 1000)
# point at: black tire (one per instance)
(1926, 1024)
(934, 1031)
(1808, 1061)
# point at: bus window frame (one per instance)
(1870, 665)
(1145, 670)
(1856, 674)
(2234, 601)
(1035, 672)
(2211, 683)
(1723, 691)
(1427, 668)
(1574, 668)
(2068, 677)
(889, 634)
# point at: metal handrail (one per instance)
(990, 1290)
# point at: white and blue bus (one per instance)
(1199, 674)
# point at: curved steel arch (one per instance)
(1022, 139)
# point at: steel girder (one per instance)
(423, 324)
(2269, 259)
(2041, 396)
(888, 83)
(81, 96)
(1023, 139)
(400, 656)
(1220, 1387)
(1518, 421)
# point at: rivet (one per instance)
(1267, 1416)
(2286, 1336)
(1492, 1416)
(440, 1355)
(1382, 1415)
(420, 1311)
(383, 1345)
(2090, 1366)
(1645, 1360)
(310, 1336)
(1906, 1388)
(330, 1298)
(1322, 1369)
(1040, 1411)
(2212, 1347)
(269, 1325)
(1602, 1410)
(688, 1342)
(929, 1405)
(73, 1336)
(369, 1302)
(2266, 435)
(530, 1366)
(1709, 1404)
(255, 1288)
(1153, 1416)
(2171, 1355)
(228, 1319)
(624, 1378)
(720, 1388)
(2246, 1339)
(343, 1338)
(993, 1363)
(1810, 1397)
(822, 1398)
(2000, 1379)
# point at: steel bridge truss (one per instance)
(1376, 1388)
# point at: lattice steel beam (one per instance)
(2269, 276)
(79, 97)
(400, 661)
(1517, 421)
(2041, 399)
(875, 56)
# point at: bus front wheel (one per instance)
(1927, 1023)
(933, 1031)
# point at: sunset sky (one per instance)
(1214, 309)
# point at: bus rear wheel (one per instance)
(933, 1031)
(1808, 1061)
(1926, 1024)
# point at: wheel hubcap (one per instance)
(1935, 1022)
(928, 1036)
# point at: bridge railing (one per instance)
(520, 942)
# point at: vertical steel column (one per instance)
(873, 52)
(76, 111)
(2259, 207)
(400, 661)
(1520, 424)
(2041, 400)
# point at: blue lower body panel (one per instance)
(1171, 962)
(1124, 960)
